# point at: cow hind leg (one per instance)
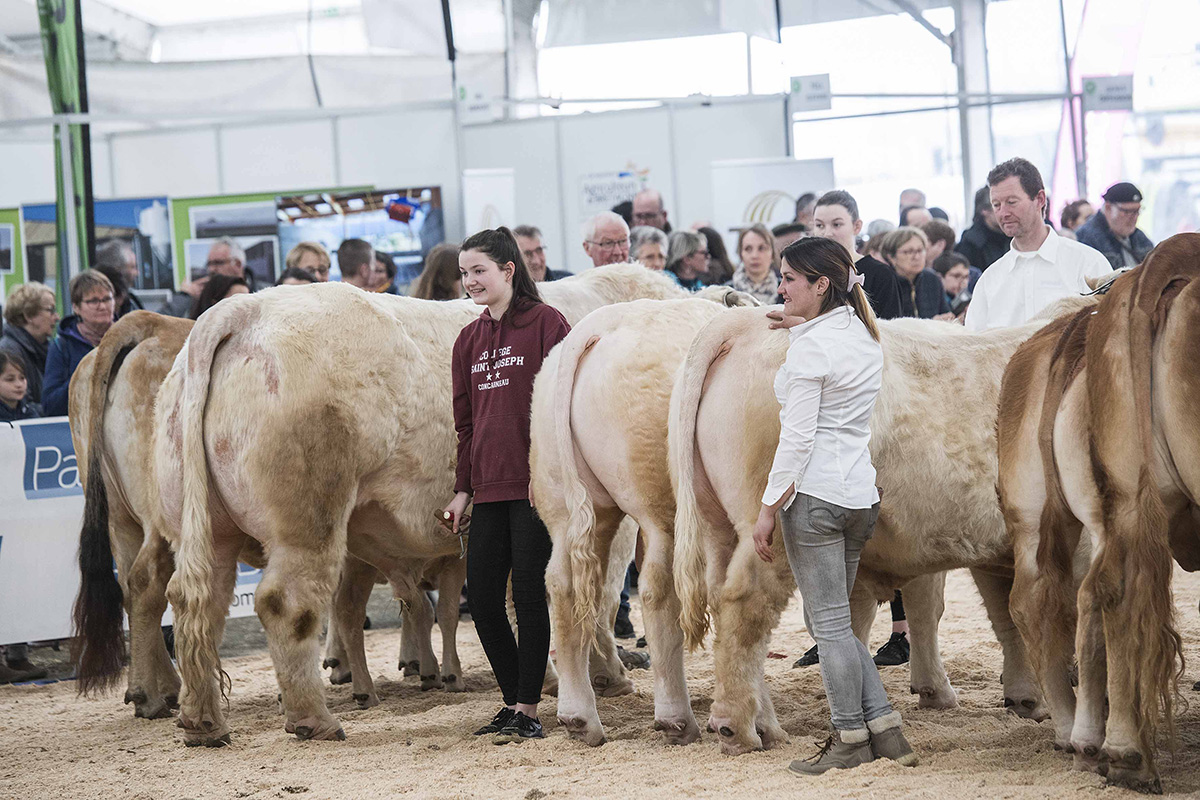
(752, 599)
(291, 600)
(156, 691)
(1087, 733)
(1021, 693)
(924, 602)
(349, 610)
(660, 609)
(201, 710)
(420, 615)
(609, 676)
(410, 643)
(450, 584)
(863, 609)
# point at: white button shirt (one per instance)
(826, 389)
(1019, 285)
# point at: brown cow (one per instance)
(1097, 435)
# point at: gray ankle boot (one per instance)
(842, 750)
(887, 740)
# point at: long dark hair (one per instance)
(439, 279)
(214, 292)
(815, 258)
(720, 268)
(501, 246)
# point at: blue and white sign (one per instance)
(50, 468)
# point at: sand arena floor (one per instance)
(418, 744)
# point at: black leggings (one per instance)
(508, 536)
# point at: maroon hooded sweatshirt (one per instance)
(494, 364)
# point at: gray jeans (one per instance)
(823, 542)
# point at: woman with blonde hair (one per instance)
(756, 275)
(312, 257)
(440, 279)
(30, 315)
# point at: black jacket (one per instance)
(981, 245)
(923, 297)
(18, 342)
(1096, 233)
(881, 286)
(24, 410)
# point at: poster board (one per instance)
(489, 198)
(763, 190)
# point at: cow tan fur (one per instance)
(317, 420)
(1099, 476)
(598, 453)
(933, 445)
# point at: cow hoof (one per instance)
(331, 663)
(733, 744)
(772, 737)
(1127, 767)
(430, 682)
(205, 734)
(172, 701)
(1089, 762)
(320, 732)
(938, 699)
(451, 683)
(206, 741)
(152, 709)
(1028, 708)
(579, 729)
(135, 696)
(606, 686)
(684, 731)
(340, 676)
(366, 700)
(409, 668)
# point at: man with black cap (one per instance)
(1114, 231)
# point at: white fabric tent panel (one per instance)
(102, 185)
(605, 143)
(530, 149)
(399, 150)
(264, 158)
(177, 164)
(714, 133)
(28, 172)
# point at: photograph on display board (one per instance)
(7, 236)
(404, 223)
(262, 257)
(142, 223)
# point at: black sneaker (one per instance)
(502, 718)
(894, 653)
(519, 728)
(623, 629)
(810, 657)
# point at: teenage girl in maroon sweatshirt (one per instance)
(495, 360)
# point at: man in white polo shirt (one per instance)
(1040, 266)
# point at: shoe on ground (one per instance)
(623, 629)
(842, 750)
(9, 674)
(894, 652)
(810, 658)
(633, 659)
(887, 740)
(502, 718)
(519, 729)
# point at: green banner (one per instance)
(62, 44)
(12, 250)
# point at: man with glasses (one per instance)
(529, 239)
(92, 303)
(1040, 267)
(1114, 231)
(225, 257)
(606, 239)
(648, 210)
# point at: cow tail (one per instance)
(690, 580)
(190, 590)
(98, 650)
(583, 560)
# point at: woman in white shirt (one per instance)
(823, 483)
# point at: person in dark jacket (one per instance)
(495, 359)
(216, 289)
(836, 217)
(921, 292)
(983, 243)
(1114, 231)
(13, 404)
(92, 297)
(116, 257)
(29, 319)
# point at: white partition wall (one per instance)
(279, 156)
(179, 163)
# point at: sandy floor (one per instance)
(53, 745)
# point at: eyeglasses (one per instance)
(537, 251)
(96, 302)
(911, 251)
(611, 245)
(1126, 211)
(217, 262)
(647, 216)
(49, 309)
(701, 253)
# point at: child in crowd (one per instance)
(13, 405)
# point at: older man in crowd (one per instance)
(529, 240)
(1114, 231)
(648, 210)
(911, 198)
(117, 254)
(606, 239)
(225, 257)
(1040, 266)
